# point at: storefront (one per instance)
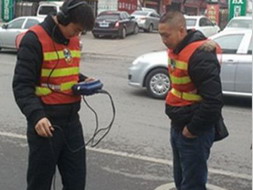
(153, 4)
(194, 7)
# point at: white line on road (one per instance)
(171, 186)
(140, 157)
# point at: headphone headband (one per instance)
(75, 5)
(63, 15)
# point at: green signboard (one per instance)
(237, 8)
(7, 10)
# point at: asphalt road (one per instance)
(136, 154)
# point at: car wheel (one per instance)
(150, 28)
(136, 29)
(123, 33)
(158, 83)
(96, 36)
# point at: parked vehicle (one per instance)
(47, 7)
(202, 24)
(115, 24)
(150, 70)
(240, 22)
(147, 20)
(9, 31)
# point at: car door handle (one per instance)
(231, 61)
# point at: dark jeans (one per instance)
(190, 159)
(47, 153)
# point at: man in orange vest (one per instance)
(194, 101)
(47, 67)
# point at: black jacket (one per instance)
(204, 71)
(27, 76)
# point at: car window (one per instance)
(203, 22)
(16, 24)
(30, 22)
(152, 15)
(190, 22)
(240, 24)
(208, 22)
(127, 15)
(44, 10)
(141, 13)
(112, 16)
(123, 16)
(229, 43)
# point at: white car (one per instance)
(9, 31)
(150, 70)
(47, 7)
(202, 24)
(240, 22)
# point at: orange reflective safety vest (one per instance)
(60, 69)
(183, 92)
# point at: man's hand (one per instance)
(44, 128)
(187, 133)
(89, 79)
(209, 46)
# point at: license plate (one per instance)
(104, 24)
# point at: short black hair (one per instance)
(82, 14)
(173, 17)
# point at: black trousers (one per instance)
(47, 153)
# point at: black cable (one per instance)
(66, 142)
(52, 70)
(54, 159)
(92, 139)
(106, 129)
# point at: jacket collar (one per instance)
(53, 30)
(192, 36)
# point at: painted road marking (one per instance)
(171, 186)
(140, 157)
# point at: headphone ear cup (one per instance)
(63, 18)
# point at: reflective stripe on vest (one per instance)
(59, 72)
(183, 91)
(180, 80)
(43, 90)
(181, 65)
(60, 68)
(50, 56)
(186, 96)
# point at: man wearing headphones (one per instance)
(46, 69)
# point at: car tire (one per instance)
(123, 33)
(136, 29)
(150, 28)
(157, 83)
(96, 36)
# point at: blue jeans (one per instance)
(190, 157)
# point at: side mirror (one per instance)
(5, 26)
(131, 17)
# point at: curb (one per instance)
(91, 55)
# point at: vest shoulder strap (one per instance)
(187, 52)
